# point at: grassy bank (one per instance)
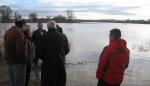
(3, 28)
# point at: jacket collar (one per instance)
(51, 30)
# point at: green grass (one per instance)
(0, 55)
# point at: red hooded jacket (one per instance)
(113, 62)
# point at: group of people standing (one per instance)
(23, 48)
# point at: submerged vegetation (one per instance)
(141, 48)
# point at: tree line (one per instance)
(8, 15)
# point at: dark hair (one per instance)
(20, 23)
(116, 33)
(59, 29)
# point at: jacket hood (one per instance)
(118, 44)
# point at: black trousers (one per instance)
(28, 70)
(103, 83)
(53, 77)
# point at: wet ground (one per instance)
(83, 74)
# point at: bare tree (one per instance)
(5, 12)
(33, 17)
(17, 15)
(48, 17)
(70, 14)
(59, 18)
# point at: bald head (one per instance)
(51, 25)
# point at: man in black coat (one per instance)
(59, 28)
(52, 49)
(36, 37)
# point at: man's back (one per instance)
(15, 46)
(113, 62)
(53, 47)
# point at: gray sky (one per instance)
(84, 9)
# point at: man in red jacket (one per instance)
(113, 61)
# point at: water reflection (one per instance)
(87, 40)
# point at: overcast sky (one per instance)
(84, 9)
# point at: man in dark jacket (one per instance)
(59, 28)
(16, 53)
(36, 37)
(30, 52)
(52, 49)
(113, 61)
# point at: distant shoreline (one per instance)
(92, 21)
(43, 20)
(84, 22)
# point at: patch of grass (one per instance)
(0, 55)
(3, 28)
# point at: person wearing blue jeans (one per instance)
(18, 74)
(16, 53)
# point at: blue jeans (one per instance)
(17, 74)
(103, 83)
